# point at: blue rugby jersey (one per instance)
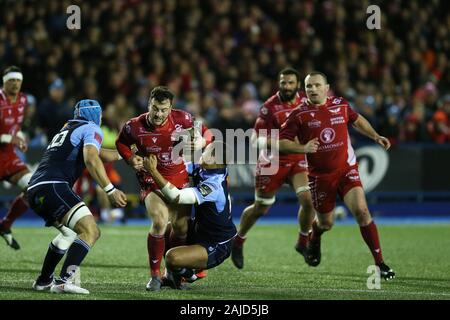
(63, 160)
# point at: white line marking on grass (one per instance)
(396, 292)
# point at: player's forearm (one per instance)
(159, 179)
(365, 128)
(124, 150)
(287, 146)
(97, 171)
(109, 155)
(175, 195)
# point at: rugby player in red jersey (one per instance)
(12, 169)
(333, 168)
(292, 168)
(153, 133)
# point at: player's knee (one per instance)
(260, 210)
(306, 203)
(172, 259)
(159, 224)
(326, 225)
(362, 215)
(93, 233)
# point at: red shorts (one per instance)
(179, 180)
(10, 164)
(286, 170)
(324, 188)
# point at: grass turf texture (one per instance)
(117, 267)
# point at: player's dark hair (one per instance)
(318, 73)
(11, 69)
(161, 93)
(288, 71)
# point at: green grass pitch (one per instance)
(116, 268)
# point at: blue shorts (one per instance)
(218, 252)
(52, 201)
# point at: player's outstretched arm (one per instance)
(289, 146)
(364, 127)
(109, 155)
(170, 192)
(97, 171)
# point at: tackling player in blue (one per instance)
(211, 230)
(76, 146)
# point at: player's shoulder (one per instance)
(336, 101)
(23, 100)
(136, 122)
(179, 115)
(3, 98)
(83, 126)
(273, 101)
(181, 118)
(269, 105)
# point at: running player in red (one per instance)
(333, 168)
(12, 169)
(292, 169)
(152, 133)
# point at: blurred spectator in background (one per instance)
(210, 51)
(54, 111)
(439, 125)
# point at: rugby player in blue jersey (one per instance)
(75, 147)
(211, 229)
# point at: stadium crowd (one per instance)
(221, 58)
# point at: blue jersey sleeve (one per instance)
(93, 136)
(209, 190)
(88, 134)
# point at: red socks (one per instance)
(155, 248)
(370, 236)
(317, 232)
(303, 239)
(18, 208)
(239, 241)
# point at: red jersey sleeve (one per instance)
(124, 142)
(264, 120)
(291, 127)
(207, 134)
(352, 114)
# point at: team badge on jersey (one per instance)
(204, 189)
(98, 138)
(264, 111)
(327, 135)
(335, 111)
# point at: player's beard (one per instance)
(287, 95)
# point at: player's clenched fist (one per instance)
(150, 163)
(118, 198)
(19, 142)
(384, 142)
(312, 145)
(137, 162)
